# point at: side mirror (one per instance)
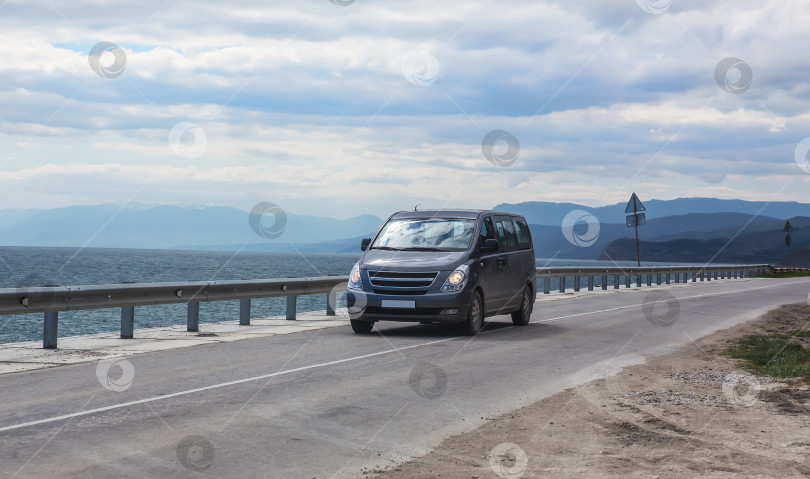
(364, 244)
(489, 246)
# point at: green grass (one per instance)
(800, 333)
(786, 274)
(772, 355)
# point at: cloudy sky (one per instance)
(344, 107)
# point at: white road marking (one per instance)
(339, 361)
(216, 386)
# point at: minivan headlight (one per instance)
(355, 282)
(457, 279)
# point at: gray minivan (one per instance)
(447, 266)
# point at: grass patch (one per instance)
(800, 333)
(771, 356)
(786, 274)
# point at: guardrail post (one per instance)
(562, 284)
(576, 283)
(627, 280)
(244, 312)
(331, 303)
(667, 278)
(604, 283)
(590, 283)
(546, 285)
(638, 280)
(616, 279)
(193, 317)
(292, 302)
(127, 322)
(50, 330)
(658, 279)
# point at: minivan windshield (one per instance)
(432, 234)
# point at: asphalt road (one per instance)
(327, 403)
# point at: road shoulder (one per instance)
(691, 412)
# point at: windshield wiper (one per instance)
(386, 248)
(422, 248)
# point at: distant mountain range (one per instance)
(746, 231)
(545, 213)
(761, 242)
(167, 226)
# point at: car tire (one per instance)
(522, 316)
(362, 327)
(475, 315)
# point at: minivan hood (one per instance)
(412, 260)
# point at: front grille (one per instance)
(401, 283)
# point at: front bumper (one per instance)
(365, 306)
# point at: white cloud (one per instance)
(306, 101)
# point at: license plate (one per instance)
(398, 303)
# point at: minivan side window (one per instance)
(487, 232)
(506, 232)
(524, 237)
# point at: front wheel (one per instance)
(361, 327)
(522, 316)
(475, 317)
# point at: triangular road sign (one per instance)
(787, 228)
(634, 201)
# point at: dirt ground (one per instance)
(689, 413)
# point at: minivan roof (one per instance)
(449, 214)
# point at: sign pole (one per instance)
(638, 254)
(787, 229)
(636, 219)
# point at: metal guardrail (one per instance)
(52, 300)
(665, 274)
(788, 269)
